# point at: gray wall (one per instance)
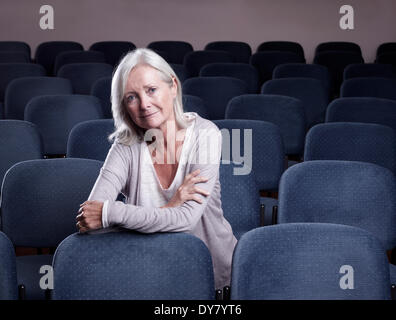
(200, 21)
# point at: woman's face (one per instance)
(149, 99)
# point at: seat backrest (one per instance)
(89, 139)
(19, 141)
(14, 57)
(310, 92)
(240, 51)
(20, 91)
(309, 261)
(195, 60)
(195, 104)
(349, 141)
(175, 50)
(386, 47)
(259, 144)
(387, 58)
(338, 46)
(369, 87)
(302, 70)
(366, 110)
(46, 52)
(364, 70)
(129, 265)
(78, 56)
(56, 115)
(336, 62)
(285, 112)
(240, 199)
(241, 71)
(216, 92)
(83, 75)
(353, 193)
(15, 46)
(101, 89)
(288, 46)
(40, 199)
(181, 71)
(113, 50)
(8, 276)
(266, 61)
(11, 71)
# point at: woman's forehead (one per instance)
(143, 73)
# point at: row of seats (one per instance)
(286, 261)
(216, 85)
(40, 197)
(294, 104)
(175, 51)
(333, 55)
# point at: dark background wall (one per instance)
(200, 21)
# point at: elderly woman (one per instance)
(164, 161)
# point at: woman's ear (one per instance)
(174, 87)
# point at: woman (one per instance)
(164, 161)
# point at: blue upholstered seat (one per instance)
(309, 261)
(285, 112)
(175, 50)
(310, 92)
(133, 266)
(266, 61)
(56, 115)
(288, 46)
(366, 110)
(260, 144)
(195, 60)
(46, 53)
(216, 92)
(40, 200)
(354, 193)
(20, 91)
(239, 50)
(242, 71)
(83, 75)
(369, 87)
(89, 139)
(8, 275)
(113, 50)
(350, 141)
(78, 56)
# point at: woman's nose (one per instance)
(144, 102)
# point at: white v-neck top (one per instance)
(150, 192)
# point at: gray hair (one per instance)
(126, 131)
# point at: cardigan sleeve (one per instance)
(206, 157)
(112, 179)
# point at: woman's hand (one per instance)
(188, 190)
(90, 216)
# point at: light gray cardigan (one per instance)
(120, 173)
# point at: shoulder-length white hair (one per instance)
(126, 131)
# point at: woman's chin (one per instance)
(151, 123)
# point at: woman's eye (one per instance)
(130, 98)
(152, 90)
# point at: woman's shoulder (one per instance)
(131, 148)
(200, 124)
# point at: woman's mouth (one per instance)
(148, 115)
